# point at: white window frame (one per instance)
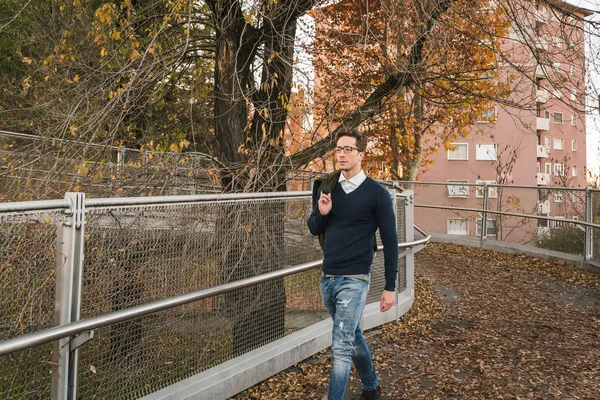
(574, 171)
(492, 120)
(557, 42)
(539, 167)
(556, 67)
(574, 197)
(547, 168)
(547, 141)
(554, 224)
(558, 197)
(543, 223)
(458, 191)
(478, 224)
(559, 169)
(575, 218)
(492, 192)
(574, 145)
(560, 142)
(465, 220)
(572, 71)
(573, 94)
(458, 145)
(484, 153)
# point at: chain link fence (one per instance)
(550, 218)
(134, 254)
(27, 284)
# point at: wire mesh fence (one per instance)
(542, 217)
(39, 168)
(27, 284)
(137, 254)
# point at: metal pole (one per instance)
(65, 247)
(409, 258)
(589, 233)
(483, 232)
(78, 200)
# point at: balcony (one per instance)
(543, 124)
(543, 151)
(542, 96)
(542, 179)
(539, 72)
(541, 16)
(541, 43)
(543, 207)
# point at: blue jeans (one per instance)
(345, 300)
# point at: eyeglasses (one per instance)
(346, 149)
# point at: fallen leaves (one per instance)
(515, 328)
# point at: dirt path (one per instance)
(485, 325)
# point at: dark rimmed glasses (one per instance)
(345, 149)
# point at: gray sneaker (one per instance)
(374, 394)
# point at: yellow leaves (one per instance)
(26, 60)
(100, 39)
(73, 129)
(76, 78)
(134, 54)
(6, 146)
(184, 143)
(173, 147)
(76, 3)
(116, 35)
(11, 165)
(105, 13)
(103, 52)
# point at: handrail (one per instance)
(35, 205)
(74, 328)
(497, 185)
(509, 214)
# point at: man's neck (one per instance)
(352, 173)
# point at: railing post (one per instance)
(482, 234)
(589, 234)
(409, 258)
(69, 259)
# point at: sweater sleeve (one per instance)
(386, 222)
(317, 222)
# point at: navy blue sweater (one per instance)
(349, 229)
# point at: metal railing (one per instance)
(543, 217)
(120, 298)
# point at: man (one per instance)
(348, 217)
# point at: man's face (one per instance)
(349, 161)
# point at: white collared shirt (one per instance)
(350, 185)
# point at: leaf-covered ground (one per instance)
(485, 325)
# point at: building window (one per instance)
(485, 152)
(575, 218)
(556, 67)
(557, 93)
(547, 114)
(543, 223)
(574, 145)
(458, 226)
(458, 190)
(573, 94)
(559, 197)
(559, 144)
(490, 227)
(574, 120)
(492, 191)
(555, 224)
(574, 171)
(558, 118)
(572, 71)
(547, 141)
(556, 41)
(559, 170)
(539, 168)
(488, 116)
(460, 152)
(574, 198)
(547, 168)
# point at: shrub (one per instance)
(568, 239)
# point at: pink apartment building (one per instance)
(541, 143)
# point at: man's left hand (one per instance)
(387, 300)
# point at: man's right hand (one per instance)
(325, 204)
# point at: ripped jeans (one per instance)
(345, 300)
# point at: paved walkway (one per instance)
(485, 325)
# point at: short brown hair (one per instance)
(361, 140)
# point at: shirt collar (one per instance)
(356, 179)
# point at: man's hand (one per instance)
(387, 300)
(325, 203)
